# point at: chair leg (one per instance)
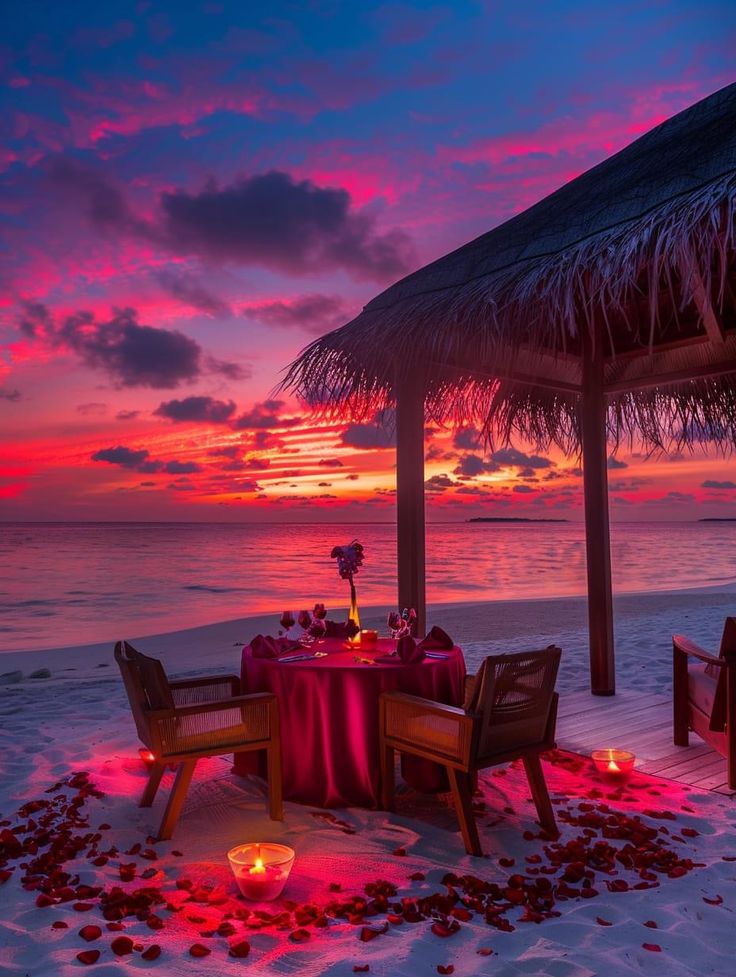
(460, 784)
(540, 794)
(387, 778)
(176, 799)
(154, 779)
(275, 788)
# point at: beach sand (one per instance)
(78, 720)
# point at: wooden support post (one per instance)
(410, 500)
(597, 532)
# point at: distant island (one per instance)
(705, 519)
(512, 519)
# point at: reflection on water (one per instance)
(63, 584)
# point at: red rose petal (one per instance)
(153, 952)
(60, 925)
(485, 951)
(445, 929)
(88, 956)
(300, 936)
(602, 922)
(448, 969)
(651, 924)
(399, 852)
(654, 947)
(197, 950)
(716, 901)
(361, 968)
(90, 933)
(121, 946)
(241, 949)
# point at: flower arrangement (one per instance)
(349, 561)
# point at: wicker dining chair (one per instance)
(181, 722)
(704, 695)
(510, 713)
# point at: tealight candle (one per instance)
(146, 756)
(261, 869)
(368, 637)
(613, 762)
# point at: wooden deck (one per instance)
(640, 722)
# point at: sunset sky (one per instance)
(192, 192)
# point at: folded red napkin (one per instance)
(264, 646)
(408, 650)
(437, 638)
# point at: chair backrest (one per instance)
(146, 685)
(513, 696)
(727, 650)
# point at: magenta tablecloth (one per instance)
(329, 719)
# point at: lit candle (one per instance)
(613, 762)
(261, 870)
(368, 637)
(146, 756)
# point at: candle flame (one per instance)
(613, 767)
(258, 868)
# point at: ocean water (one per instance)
(73, 583)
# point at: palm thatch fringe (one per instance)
(684, 246)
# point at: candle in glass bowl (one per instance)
(613, 762)
(368, 637)
(261, 869)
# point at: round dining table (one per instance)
(328, 709)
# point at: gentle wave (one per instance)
(65, 584)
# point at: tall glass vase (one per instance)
(353, 612)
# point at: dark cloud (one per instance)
(227, 451)
(472, 465)
(330, 463)
(199, 409)
(438, 483)
(263, 416)
(181, 467)
(127, 415)
(522, 489)
(125, 457)
(615, 464)
(380, 432)
(710, 483)
(315, 314)
(190, 291)
(11, 395)
(139, 460)
(271, 219)
(467, 439)
(134, 355)
(513, 458)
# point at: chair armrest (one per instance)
(684, 646)
(218, 705)
(427, 705)
(432, 729)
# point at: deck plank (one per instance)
(640, 722)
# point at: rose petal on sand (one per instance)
(121, 946)
(88, 956)
(90, 933)
(198, 950)
(240, 949)
(153, 952)
(654, 947)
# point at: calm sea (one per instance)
(64, 584)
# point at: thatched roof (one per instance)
(638, 253)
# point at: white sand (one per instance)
(78, 719)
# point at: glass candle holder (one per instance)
(261, 869)
(146, 756)
(613, 762)
(368, 637)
